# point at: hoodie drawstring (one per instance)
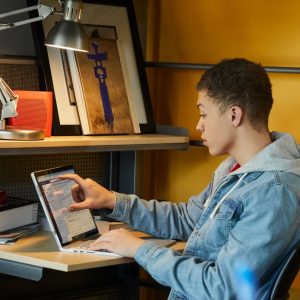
(214, 212)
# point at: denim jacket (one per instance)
(249, 217)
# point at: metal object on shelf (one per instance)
(21, 134)
(197, 143)
(172, 130)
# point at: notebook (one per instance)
(73, 231)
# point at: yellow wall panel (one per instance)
(286, 94)
(182, 174)
(201, 31)
(207, 31)
(176, 98)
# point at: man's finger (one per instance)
(77, 206)
(74, 177)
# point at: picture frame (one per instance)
(114, 13)
(59, 128)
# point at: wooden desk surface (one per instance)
(40, 249)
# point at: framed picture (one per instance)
(116, 14)
(104, 100)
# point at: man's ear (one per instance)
(236, 115)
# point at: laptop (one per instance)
(73, 231)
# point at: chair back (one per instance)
(289, 270)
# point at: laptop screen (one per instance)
(56, 198)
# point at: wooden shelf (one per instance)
(59, 144)
(167, 137)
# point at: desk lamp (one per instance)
(66, 34)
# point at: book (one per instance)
(11, 236)
(100, 90)
(17, 212)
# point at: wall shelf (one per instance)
(167, 138)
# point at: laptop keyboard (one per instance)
(86, 244)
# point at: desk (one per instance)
(36, 259)
(42, 271)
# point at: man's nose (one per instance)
(199, 126)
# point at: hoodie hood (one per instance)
(283, 154)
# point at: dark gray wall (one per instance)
(15, 41)
(18, 41)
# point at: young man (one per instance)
(248, 215)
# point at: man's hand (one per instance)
(89, 194)
(119, 241)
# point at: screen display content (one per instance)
(58, 196)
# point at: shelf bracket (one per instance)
(21, 270)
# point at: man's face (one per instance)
(216, 128)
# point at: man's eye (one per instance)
(202, 115)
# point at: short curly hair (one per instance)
(239, 82)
